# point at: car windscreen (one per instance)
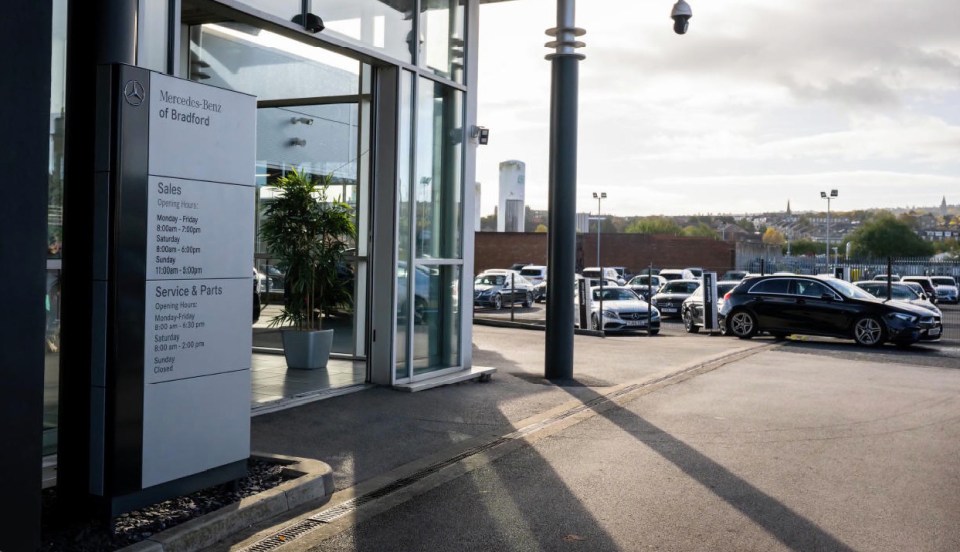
(642, 281)
(680, 287)
(615, 294)
(530, 272)
(943, 281)
(849, 290)
(490, 280)
(896, 292)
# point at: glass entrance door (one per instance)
(314, 116)
(323, 140)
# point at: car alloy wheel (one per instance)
(497, 302)
(868, 331)
(742, 324)
(527, 300)
(688, 323)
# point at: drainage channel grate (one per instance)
(330, 514)
(288, 534)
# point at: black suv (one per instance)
(813, 305)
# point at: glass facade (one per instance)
(439, 163)
(383, 26)
(267, 65)
(404, 227)
(58, 73)
(442, 38)
(316, 110)
(430, 217)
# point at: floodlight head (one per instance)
(833, 193)
(823, 195)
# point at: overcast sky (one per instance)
(760, 102)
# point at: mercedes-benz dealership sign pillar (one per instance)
(170, 392)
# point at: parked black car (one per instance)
(671, 296)
(493, 289)
(814, 305)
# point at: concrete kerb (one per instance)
(312, 482)
(530, 326)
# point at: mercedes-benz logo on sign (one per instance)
(134, 93)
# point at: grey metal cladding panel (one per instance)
(128, 268)
(100, 247)
(98, 334)
(104, 118)
(97, 433)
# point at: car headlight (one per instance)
(908, 318)
(486, 293)
(610, 314)
(654, 314)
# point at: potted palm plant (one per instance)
(308, 233)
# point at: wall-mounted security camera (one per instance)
(312, 23)
(482, 134)
(297, 142)
(681, 15)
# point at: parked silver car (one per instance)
(622, 310)
(947, 290)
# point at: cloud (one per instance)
(814, 91)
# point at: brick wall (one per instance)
(634, 251)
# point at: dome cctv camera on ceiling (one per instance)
(681, 15)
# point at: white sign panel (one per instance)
(191, 323)
(199, 229)
(201, 132)
(192, 425)
(199, 278)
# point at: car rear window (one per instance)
(778, 285)
(944, 281)
(530, 272)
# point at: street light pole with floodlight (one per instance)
(599, 197)
(823, 195)
(562, 197)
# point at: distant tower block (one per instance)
(511, 208)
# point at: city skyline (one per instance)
(758, 104)
(906, 208)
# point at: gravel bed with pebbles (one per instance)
(79, 533)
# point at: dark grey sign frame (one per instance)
(118, 253)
